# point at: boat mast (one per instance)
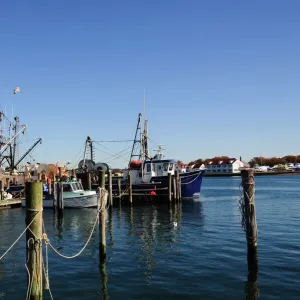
(14, 145)
(136, 141)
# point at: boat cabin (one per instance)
(159, 167)
(72, 187)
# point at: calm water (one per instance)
(203, 257)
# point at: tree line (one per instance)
(272, 161)
(257, 160)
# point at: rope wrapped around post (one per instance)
(247, 208)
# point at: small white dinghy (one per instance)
(74, 197)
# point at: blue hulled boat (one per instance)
(152, 175)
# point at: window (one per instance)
(165, 167)
(148, 168)
(67, 188)
(79, 186)
(170, 167)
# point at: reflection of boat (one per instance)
(73, 194)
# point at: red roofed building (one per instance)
(228, 165)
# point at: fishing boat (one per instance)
(150, 174)
(73, 194)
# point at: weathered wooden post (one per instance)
(60, 173)
(179, 187)
(7, 183)
(54, 193)
(110, 195)
(170, 186)
(175, 187)
(60, 199)
(89, 181)
(34, 216)
(102, 229)
(130, 188)
(119, 187)
(250, 223)
(1, 189)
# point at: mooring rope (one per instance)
(191, 180)
(46, 273)
(242, 208)
(47, 241)
(29, 286)
(38, 211)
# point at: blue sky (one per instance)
(221, 77)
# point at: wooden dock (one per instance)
(11, 203)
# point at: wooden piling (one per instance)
(174, 187)
(130, 188)
(89, 181)
(177, 185)
(250, 223)
(110, 188)
(34, 216)
(60, 199)
(54, 194)
(102, 229)
(60, 173)
(170, 186)
(119, 187)
(1, 190)
(179, 188)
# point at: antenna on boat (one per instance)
(144, 105)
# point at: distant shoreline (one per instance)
(255, 174)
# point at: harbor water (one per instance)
(194, 250)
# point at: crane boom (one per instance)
(27, 152)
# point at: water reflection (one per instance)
(154, 230)
(104, 280)
(251, 290)
(110, 228)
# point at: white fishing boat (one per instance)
(74, 196)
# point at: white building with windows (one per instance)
(230, 165)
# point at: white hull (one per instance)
(74, 202)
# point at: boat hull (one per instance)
(190, 182)
(74, 202)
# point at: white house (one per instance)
(230, 165)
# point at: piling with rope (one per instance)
(34, 222)
(247, 206)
